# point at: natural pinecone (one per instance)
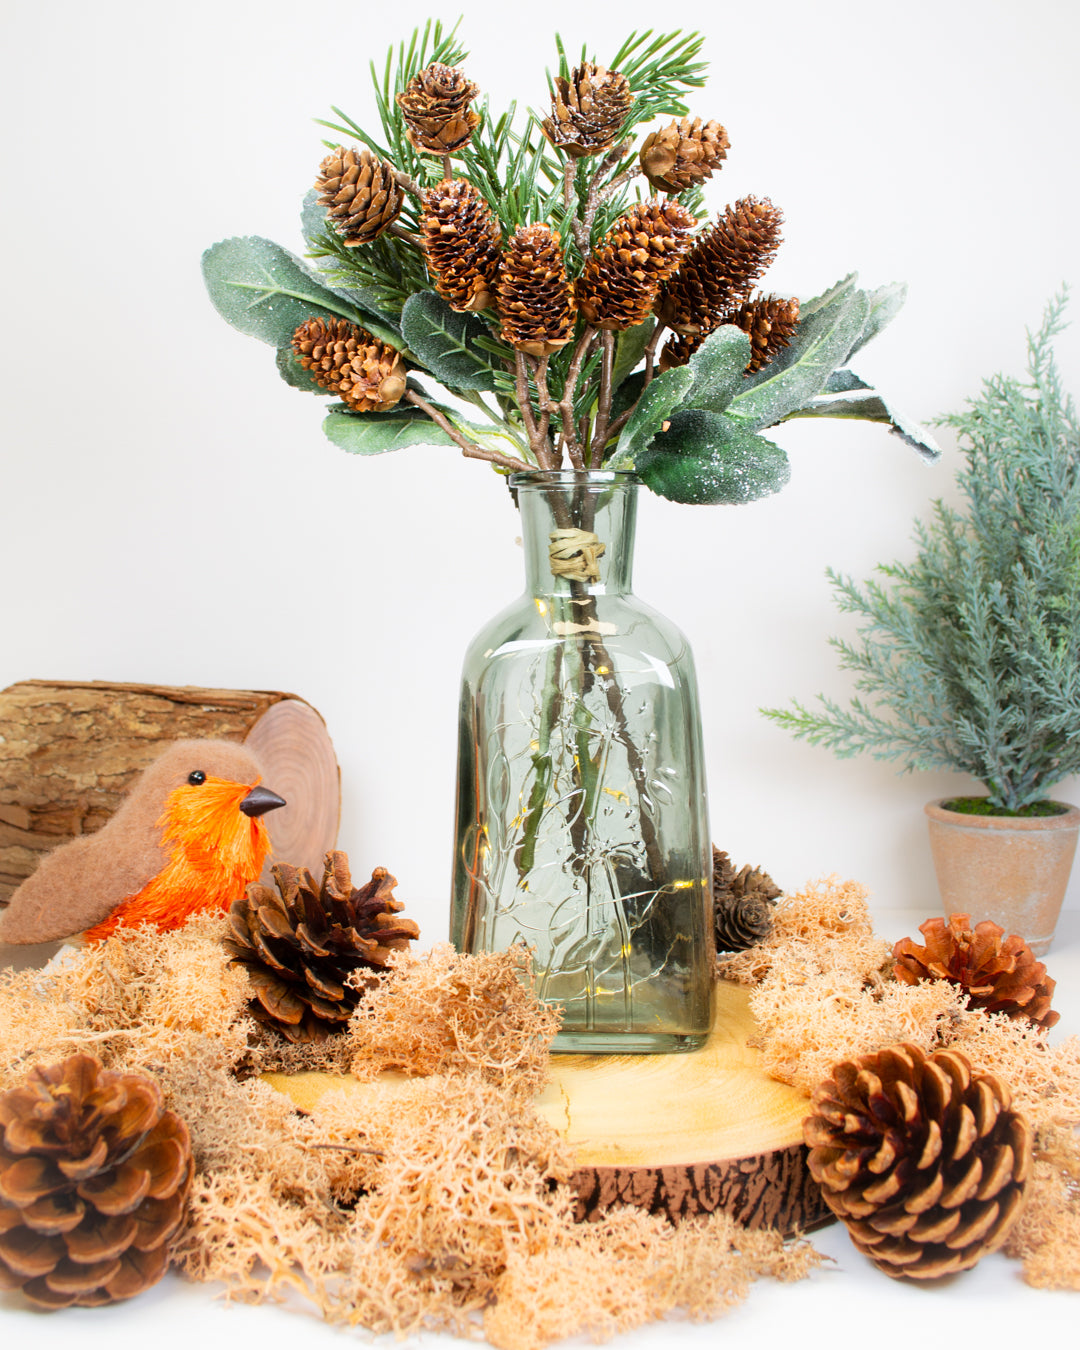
(743, 903)
(301, 943)
(346, 360)
(435, 106)
(684, 154)
(924, 1162)
(361, 194)
(619, 282)
(720, 270)
(770, 324)
(535, 299)
(587, 110)
(462, 243)
(997, 976)
(94, 1180)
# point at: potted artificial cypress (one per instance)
(969, 657)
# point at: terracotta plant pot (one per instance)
(1011, 869)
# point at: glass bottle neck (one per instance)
(578, 531)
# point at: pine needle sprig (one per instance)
(658, 72)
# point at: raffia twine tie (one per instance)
(575, 554)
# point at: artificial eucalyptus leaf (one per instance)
(816, 316)
(312, 219)
(444, 341)
(264, 291)
(377, 433)
(885, 304)
(629, 349)
(377, 319)
(662, 397)
(293, 373)
(705, 459)
(867, 405)
(842, 381)
(718, 367)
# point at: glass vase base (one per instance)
(625, 1043)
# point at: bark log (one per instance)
(70, 750)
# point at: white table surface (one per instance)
(845, 1303)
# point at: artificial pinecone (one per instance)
(621, 277)
(923, 1161)
(360, 192)
(535, 298)
(743, 903)
(678, 349)
(94, 1181)
(301, 943)
(997, 976)
(587, 110)
(462, 243)
(346, 360)
(435, 106)
(684, 154)
(770, 324)
(720, 270)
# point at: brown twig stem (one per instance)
(650, 352)
(408, 235)
(409, 184)
(566, 404)
(468, 448)
(546, 406)
(603, 407)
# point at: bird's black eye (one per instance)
(196, 777)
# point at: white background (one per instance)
(172, 512)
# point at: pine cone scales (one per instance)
(743, 903)
(94, 1180)
(587, 110)
(346, 360)
(462, 243)
(361, 194)
(301, 943)
(684, 154)
(435, 106)
(535, 299)
(999, 976)
(925, 1163)
(770, 323)
(621, 277)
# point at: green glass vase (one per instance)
(581, 811)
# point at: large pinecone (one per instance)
(435, 106)
(94, 1181)
(462, 243)
(587, 110)
(770, 323)
(997, 976)
(360, 193)
(743, 903)
(684, 154)
(301, 943)
(621, 277)
(720, 270)
(535, 298)
(346, 360)
(925, 1163)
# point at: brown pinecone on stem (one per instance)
(94, 1181)
(684, 154)
(535, 299)
(587, 110)
(743, 902)
(770, 323)
(435, 106)
(346, 360)
(301, 943)
(462, 243)
(923, 1161)
(360, 193)
(621, 277)
(678, 350)
(721, 268)
(999, 976)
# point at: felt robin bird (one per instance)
(188, 838)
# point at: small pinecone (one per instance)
(361, 194)
(678, 350)
(721, 268)
(770, 324)
(684, 154)
(346, 360)
(924, 1162)
(535, 299)
(435, 106)
(997, 976)
(743, 903)
(619, 282)
(587, 110)
(300, 944)
(462, 243)
(94, 1181)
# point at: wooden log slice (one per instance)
(70, 750)
(677, 1134)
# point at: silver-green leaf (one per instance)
(444, 341)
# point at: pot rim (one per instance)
(1067, 820)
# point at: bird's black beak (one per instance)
(260, 800)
